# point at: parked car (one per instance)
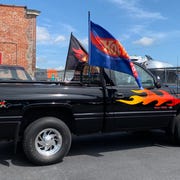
(13, 73)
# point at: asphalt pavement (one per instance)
(120, 156)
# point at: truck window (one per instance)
(126, 80)
(122, 79)
(91, 75)
(146, 78)
(87, 75)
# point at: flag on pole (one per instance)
(105, 51)
(77, 56)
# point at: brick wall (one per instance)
(18, 36)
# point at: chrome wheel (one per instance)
(48, 142)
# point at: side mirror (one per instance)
(158, 84)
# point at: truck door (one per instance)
(128, 107)
(88, 102)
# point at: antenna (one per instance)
(177, 72)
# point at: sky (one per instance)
(144, 27)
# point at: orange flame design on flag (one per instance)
(109, 46)
(150, 97)
(80, 55)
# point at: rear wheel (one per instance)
(46, 141)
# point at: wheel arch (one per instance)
(36, 111)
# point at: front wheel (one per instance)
(46, 141)
(174, 130)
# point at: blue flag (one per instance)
(107, 52)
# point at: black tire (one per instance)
(46, 141)
(175, 130)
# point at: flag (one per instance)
(77, 55)
(105, 51)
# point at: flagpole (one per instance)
(67, 57)
(89, 42)
(89, 35)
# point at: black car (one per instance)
(13, 73)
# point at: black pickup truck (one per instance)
(44, 115)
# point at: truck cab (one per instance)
(124, 105)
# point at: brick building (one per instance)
(18, 36)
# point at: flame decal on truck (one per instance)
(161, 97)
